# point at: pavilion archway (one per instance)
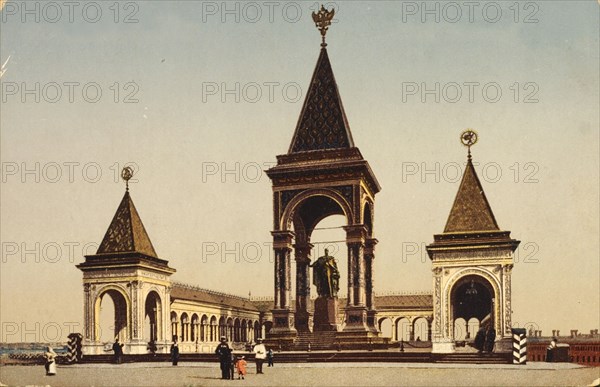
(120, 327)
(472, 299)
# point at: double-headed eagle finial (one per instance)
(322, 20)
(468, 139)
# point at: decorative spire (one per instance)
(127, 174)
(126, 233)
(323, 21)
(468, 139)
(471, 211)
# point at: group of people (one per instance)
(229, 362)
(485, 338)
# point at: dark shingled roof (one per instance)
(322, 123)
(471, 210)
(126, 233)
(192, 293)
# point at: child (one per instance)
(233, 366)
(241, 367)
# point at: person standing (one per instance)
(490, 338)
(241, 367)
(480, 339)
(270, 356)
(118, 351)
(260, 354)
(174, 352)
(50, 364)
(232, 365)
(550, 350)
(224, 353)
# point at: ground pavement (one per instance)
(307, 374)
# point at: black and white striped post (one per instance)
(74, 355)
(519, 345)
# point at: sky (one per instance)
(200, 97)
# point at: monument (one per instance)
(322, 174)
(326, 278)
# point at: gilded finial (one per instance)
(322, 20)
(468, 139)
(127, 174)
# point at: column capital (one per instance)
(282, 239)
(370, 247)
(371, 242)
(303, 252)
(356, 233)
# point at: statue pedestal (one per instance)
(326, 314)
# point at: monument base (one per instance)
(372, 321)
(326, 312)
(283, 333)
(303, 321)
(356, 319)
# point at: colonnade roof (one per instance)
(193, 293)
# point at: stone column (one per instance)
(303, 286)
(442, 332)
(351, 277)
(277, 283)
(283, 314)
(360, 284)
(429, 323)
(506, 274)
(88, 314)
(369, 284)
(356, 310)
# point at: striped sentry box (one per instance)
(519, 345)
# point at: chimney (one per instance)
(573, 333)
(554, 333)
(557, 333)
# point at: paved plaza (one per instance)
(325, 374)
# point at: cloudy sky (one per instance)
(201, 96)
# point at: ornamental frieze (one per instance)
(471, 255)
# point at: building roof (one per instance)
(322, 123)
(400, 301)
(126, 233)
(471, 210)
(408, 301)
(181, 291)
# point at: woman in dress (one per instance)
(50, 365)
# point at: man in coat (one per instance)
(224, 353)
(490, 338)
(118, 351)
(174, 351)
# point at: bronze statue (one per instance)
(326, 276)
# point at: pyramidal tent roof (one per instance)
(322, 123)
(471, 210)
(126, 232)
